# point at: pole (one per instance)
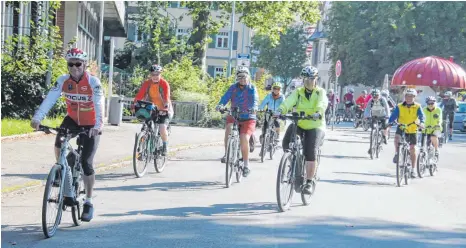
(48, 78)
(231, 40)
(101, 37)
(335, 103)
(110, 74)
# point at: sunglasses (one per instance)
(276, 88)
(77, 64)
(430, 103)
(241, 77)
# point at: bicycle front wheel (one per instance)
(400, 167)
(140, 154)
(52, 202)
(421, 164)
(230, 163)
(285, 183)
(373, 143)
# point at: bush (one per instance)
(185, 96)
(184, 77)
(25, 63)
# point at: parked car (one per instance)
(464, 125)
(460, 115)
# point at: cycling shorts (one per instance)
(313, 138)
(411, 138)
(245, 127)
(89, 145)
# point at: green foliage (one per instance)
(183, 76)
(25, 63)
(291, 48)
(22, 126)
(375, 38)
(269, 19)
(186, 96)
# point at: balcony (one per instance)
(114, 17)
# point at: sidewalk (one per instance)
(26, 162)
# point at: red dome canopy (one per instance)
(430, 71)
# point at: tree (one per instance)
(375, 38)
(285, 59)
(266, 18)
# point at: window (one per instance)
(219, 72)
(222, 40)
(182, 32)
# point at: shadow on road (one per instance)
(344, 157)
(168, 186)
(239, 209)
(359, 183)
(325, 231)
(366, 174)
(347, 141)
(30, 176)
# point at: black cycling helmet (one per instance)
(310, 72)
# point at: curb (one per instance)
(104, 167)
(39, 134)
(23, 136)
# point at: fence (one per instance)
(184, 112)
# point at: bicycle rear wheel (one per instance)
(407, 174)
(140, 154)
(263, 147)
(159, 160)
(285, 182)
(230, 162)
(80, 193)
(433, 167)
(272, 146)
(400, 167)
(53, 195)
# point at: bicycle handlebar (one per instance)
(67, 131)
(295, 116)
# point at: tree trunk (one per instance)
(200, 37)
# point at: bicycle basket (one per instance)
(143, 110)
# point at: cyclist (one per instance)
(85, 106)
(360, 104)
(313, 101)
(406, 113)
(433, 116)
(349, 101)
(377, 109)
(157, 90)
(272, 101)
(386, 94)
(331, 96)
(449, 106)
(242, 94)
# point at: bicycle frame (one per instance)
(68, 174)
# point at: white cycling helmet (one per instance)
(76, 53)
(242, 69)
(412, 92)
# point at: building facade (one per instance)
(217, 50)
(321, 49)
(77, 20)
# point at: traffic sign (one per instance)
(338, 68)
(243, 60)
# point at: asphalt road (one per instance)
(356, 204)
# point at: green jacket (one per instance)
(316, 104)
(433, 117)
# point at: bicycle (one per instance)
(268, 136)
(233, 162)
(426, 157)
(67, 176)
(293, 159)
(148, 142)
(403, 165)
(376, 137)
